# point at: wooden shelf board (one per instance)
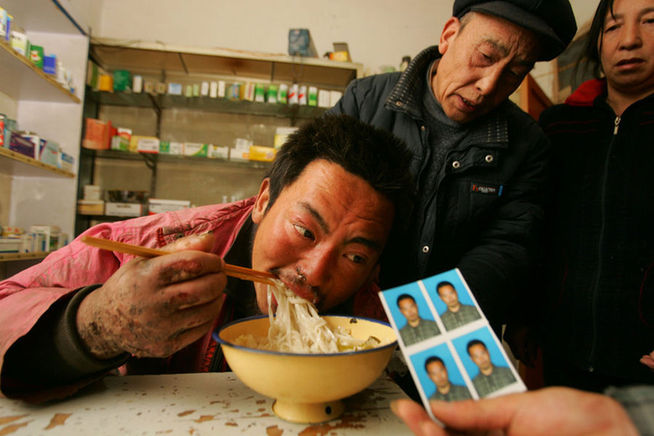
(16, 164)
(161, 157)
(144, 57)
(32, 83)
(11, 257)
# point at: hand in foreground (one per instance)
(154, 307)
(551, 411)
(648, 360)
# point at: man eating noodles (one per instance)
(319, 223)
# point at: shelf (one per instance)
(16, 164)
(145, 57)
(204, 104)
(21, 80)
(12, 257)
(161, 157)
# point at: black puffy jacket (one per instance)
(600, 256)
(485, 209)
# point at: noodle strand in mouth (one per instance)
(296, 327)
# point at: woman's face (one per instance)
(627, 47)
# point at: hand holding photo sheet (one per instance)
(449, 346)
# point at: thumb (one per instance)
(200, 242)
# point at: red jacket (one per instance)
(25, 297)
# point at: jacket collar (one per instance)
(408, 92)
(587, 92)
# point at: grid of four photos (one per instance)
(447, 342)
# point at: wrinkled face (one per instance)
(409, 309)
(479, 355)
(322, 236)
(449, 296)
(627, 47)
(438, 374)
(482, 64)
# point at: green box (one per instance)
(36, 56)
(122, 80)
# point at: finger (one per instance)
(416, 418)
(185, 265)
(199, 321)
(201, 242)
(198, 291)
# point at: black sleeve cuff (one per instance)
(75, 357)
(52, 353)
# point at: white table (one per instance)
(191, 404)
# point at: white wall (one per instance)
(379, 32)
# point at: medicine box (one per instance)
(51, 154)
(21, 145)
(123, 209)
(196, 149)
(171, 147)
(218, 152)
(10, 245)
(159, 205)
(261, 153)
(147, 145)
(67, 162)
(51, 235)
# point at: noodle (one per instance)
(297, 328)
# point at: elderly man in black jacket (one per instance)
(479, 161)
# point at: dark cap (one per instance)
(552, 20)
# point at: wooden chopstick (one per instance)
(137, 250)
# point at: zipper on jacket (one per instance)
(600, 243)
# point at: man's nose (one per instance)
(318, 266)
(489, 81)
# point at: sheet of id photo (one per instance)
(450, 348)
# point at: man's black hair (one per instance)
(444, 283)
(405, 297)
(475, 342)
(433, 359)
(375, 155)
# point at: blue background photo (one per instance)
(484, 335)
(452, 277)
(412, 289)
(442, 351)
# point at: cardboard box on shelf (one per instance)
(241, 150)
(97, 134)
(123, 209)
(171, 147)
(160, 205)
(21, 145)
(218, 152)
(51, 235)
(51, 154)
(196, 149)
(10, 245)
(261, 153)
(90, 207)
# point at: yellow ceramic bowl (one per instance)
(307, 388)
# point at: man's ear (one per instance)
(261, 203)
(450, 31)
